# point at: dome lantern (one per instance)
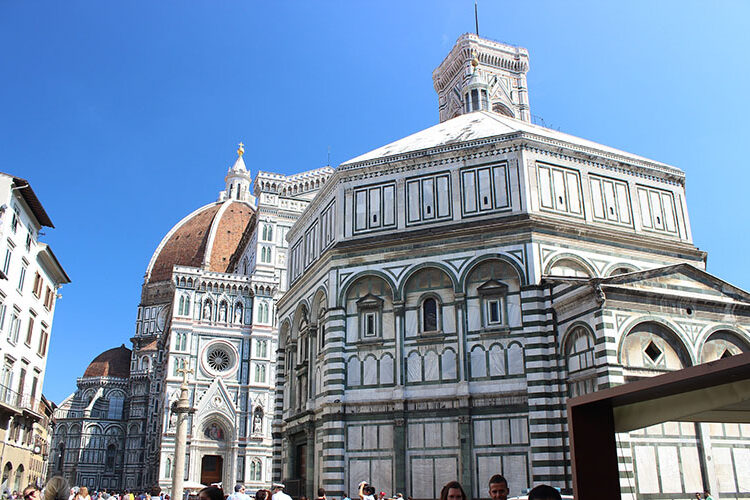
(237, 180)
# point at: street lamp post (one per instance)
(182, 409)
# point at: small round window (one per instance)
(219, 358)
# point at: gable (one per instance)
(682, 279)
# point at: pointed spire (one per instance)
(239, 164)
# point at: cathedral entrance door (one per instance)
(211, 469)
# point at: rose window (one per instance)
(219, 359)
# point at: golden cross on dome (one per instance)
(241, 150)
(184, 371)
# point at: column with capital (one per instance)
(182, 409)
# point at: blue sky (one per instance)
(125, 115)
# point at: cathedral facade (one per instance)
(207, 312)
(449, 291)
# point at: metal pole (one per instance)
(182, 408)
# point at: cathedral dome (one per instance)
(111, 363)
(206, 239)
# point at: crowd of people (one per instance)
(57, 488)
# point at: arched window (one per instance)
(653, 346)
(260, 373)
(429, 315)
(579, 355)
(256, 470)
(112, 453)
(115, 407)
(181, 308)
(262, 312)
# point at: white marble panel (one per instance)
(359, 470)
(432, 435)
(478, 362)
(370, 437)
(354, 437)
(431, 366)
(732, 430)
(450, 434)
(724, 468)
(691, 469)
(416, 435)
(514, 310)
(669, 470)
(500, 431)
(381, 474)
(671, 428)
(370, 372)
(385, 437)
(352, 325)
(449, 319)
(473, 314)
(445, 467)
(645, 466)
(422, 477)
(448, 363)
(389, 325)
(497, 361)
(414, 367)
(411, 323)
(486, 468)
(742, 468)
(482, 433)
(519, 430)
(515, 360)
(516, 467)
(353, 373)
(386, 369)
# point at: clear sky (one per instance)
(125, 115)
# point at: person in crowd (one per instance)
(211, 493)
(303, 497)
(239, 493)
(452, 491)
(346, 497)
(321, 494)
(57, 488)
(366, 492)
(278, 492)
(498, 488)
(83, 493)
(707, 495)
(544, 492)
(31, 492)
(263, 494)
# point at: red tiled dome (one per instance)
(207, 237)
(112, 363)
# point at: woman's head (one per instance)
(211, 493)
(57, 488)
(84, 492)
(452, 491)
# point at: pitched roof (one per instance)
(29, 196)
(485, 125)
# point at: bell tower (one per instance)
(497, 69)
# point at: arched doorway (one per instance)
(6, 476)
(212, 467)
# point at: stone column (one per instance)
(183, 410)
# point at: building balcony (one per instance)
(15, 402)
